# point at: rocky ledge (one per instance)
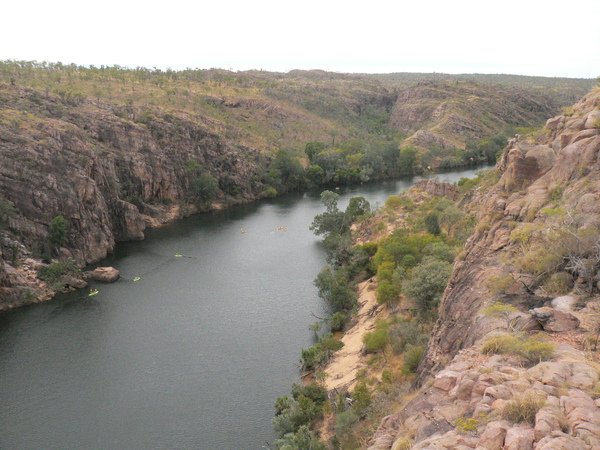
(501, 401)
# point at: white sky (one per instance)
(526, 37)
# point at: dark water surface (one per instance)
(191, 356)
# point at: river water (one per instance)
(192, 355)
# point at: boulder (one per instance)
(593, 119)
(493, 436)
(106, 274)
(561, 441)
(71, 281)
(546, 421)
(555, 320)
(518, 438)
(564, 302)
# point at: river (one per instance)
(192, 355)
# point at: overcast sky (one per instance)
(526, 37)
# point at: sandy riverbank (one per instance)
(342, 368)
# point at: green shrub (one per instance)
(531, 349)
(320, 353)
(345, 422)
(500, 284)
(500, 344)
(560, 283)
(406, 333)
(535, 351)
(57, 233)
(466, 426)
(53, 272)
(393, 201)
(361, 399)
(377, 339)
(270, 192)
(412, 358)
(338, 321)
(387, 293)
(523, 408)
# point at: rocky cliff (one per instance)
(536, 239)
(109, 171)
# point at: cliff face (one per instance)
(565, 160)
(109, 171)
(547, 190)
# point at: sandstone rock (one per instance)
(555, 320)
(77, 283)
(498, 392)
(583, 416)
(451, 439)
(437, 188)
(552, 123)
(561, 441)
(445, 380)
(546, 421)
(564, 302)
(106, 274)
(493, 436)
(519, 438)
(593, 119)
(522, 321)
(583, 376)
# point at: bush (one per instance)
(523, 408)
(361, 399)
(387, 293)
(376, 340)
(393, 201)
(317, 393)
(531, 349)
(53, 272)
(560, 283)
(412, 358)
(338, 321)
(427, 284)
(57, 233)
(404, 334)
(320, 353)
(466, 426)
(345, 422)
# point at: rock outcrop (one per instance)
(518, 197)
(464, 393)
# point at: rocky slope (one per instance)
(538, 223)
(449, 113)
(109, 171)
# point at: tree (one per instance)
(427, 284)
(450, 217)
(206, 187)
(432, 224)
(314, 148)
(357, 207)
(332, 220)
(57, 233)
(407, 160)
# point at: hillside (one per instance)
(449, 114)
